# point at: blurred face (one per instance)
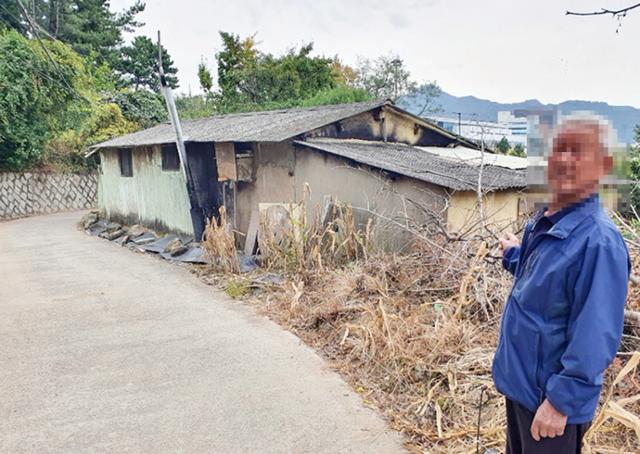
(577, 162)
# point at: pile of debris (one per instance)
(178, 248)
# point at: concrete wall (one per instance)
(390, 201)
(28, 194)
(152, 197)
(501, 208)
(273, 170)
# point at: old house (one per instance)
(375, 156)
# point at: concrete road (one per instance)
(105, 350)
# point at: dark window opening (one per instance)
(170, 158)
(126, 163)
(243, 148)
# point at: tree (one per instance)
(88, 26)
(503, 146)
(341, 94)
(190, 107)
(204, 76)
(249, 79)
(11, 17)
(235, 61)
(141, 107)
(66, 151)
(137, 66)
(426, 95)
(385, 77)
(343, 74)
(518, 150)
(33, 92)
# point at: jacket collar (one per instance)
(579, 211)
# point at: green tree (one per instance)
(137, 66)
(88, 26)
(204, 76)
(237, 59)
(66, 152)
(11, 17)
(190, 107)
(340, 94)
(142, 107)
(249, 79)
(91, 28)
(385, 77)
(33, 92)
(518, 150)
(503, 146)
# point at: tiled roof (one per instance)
(421, 164)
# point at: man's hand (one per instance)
(508, 240)
(548, 422)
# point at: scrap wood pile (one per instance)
(415, 333)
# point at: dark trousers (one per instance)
(520, 441)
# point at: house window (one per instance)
(126, 162)
(170, 159)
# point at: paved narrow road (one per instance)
(106, 351)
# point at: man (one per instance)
(563, 321)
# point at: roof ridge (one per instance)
(374, 102)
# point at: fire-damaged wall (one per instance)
(272, 182)
(385, 124)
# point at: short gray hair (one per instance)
(606, 133)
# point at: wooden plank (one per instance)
(252, 233)
(226, 161)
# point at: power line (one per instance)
(70, 89)
(33, 68)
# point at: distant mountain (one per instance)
(624, 118)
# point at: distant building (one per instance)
(489, 131)
(518, 126)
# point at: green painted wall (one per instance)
(152, 197)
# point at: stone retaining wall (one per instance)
(27, 194)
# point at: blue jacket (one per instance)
(562, 323)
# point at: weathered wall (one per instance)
(151, 196)
(396, 127)
(500, 208)
(392, 199)
(27, 194)
(273, 169)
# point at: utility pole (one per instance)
(396, 64)
(197, 217)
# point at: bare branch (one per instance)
(603, 11)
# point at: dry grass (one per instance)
(415, 334)
(219, 245)
(291, 244)
(412, 335)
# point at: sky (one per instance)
(505, 51)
